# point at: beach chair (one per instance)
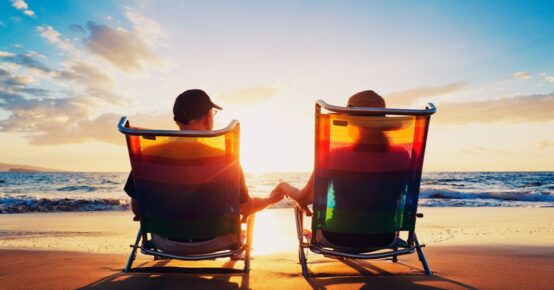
(367, 173)
(187, 185)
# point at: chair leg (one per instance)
(247, 261)
(421, 257)
(303, 262)
(133, 254)
(299, 218)
(249, 237)
(395, 257)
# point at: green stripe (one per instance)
(343, 221)
(192, 229)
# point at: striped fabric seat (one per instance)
(187, 187)
(367, 172)
(187, 184)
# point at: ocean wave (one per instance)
(29, 204)
(77, 188)
(505, 196)
(433, 202)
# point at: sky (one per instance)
(70, 69)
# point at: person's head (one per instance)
(370, 99)
(367, 98)
(194, 110)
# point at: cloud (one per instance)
(19, 84)
(81, 105)
(522, 75)
(21, 5)
(91, 82)
(29, 13)
(77, 28)
(549, 79)
(26, 60)
(6, 53)
(119, 47)
(544, 144)
(410, 96)
(481, 150)
(254, 94)
(523, 108)
(49, 120)
(56, 121)
(147, 29)
(54, 37)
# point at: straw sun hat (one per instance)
(371, 99)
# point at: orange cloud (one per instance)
(254, 94)
(524, 108)
(410, 96)
(522, 75)
(119, 47)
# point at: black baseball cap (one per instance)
(192, 104)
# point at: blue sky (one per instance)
(70, 67)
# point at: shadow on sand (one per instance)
(369, 276)
(160, 276)
(274, 273)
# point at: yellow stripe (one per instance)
(349, 129)
(184, 147)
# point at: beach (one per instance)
(467, 248)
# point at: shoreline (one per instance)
(112, 231)
(467, 248)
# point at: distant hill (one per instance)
(24, 168)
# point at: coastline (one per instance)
(467, 248)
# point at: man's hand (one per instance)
(276, 195)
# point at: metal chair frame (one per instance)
(305, 244)
(142, 236)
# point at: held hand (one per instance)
(276, 195)
(287, 189)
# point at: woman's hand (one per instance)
(276, 195)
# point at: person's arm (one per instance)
(129, 188)
(303, 197)
(255, 204)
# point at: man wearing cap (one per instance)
(194, 110)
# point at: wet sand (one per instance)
(467, 248)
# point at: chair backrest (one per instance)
(368, 164)
(187, 182)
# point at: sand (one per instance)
(467, 248)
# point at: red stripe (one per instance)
(359, 161)
(178, 174)
(187, 162)
(392, 147)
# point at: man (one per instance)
(194, 110)
(356, 191)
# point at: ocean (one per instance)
(23, 192)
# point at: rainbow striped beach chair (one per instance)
(187, 185)
(367, 173)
